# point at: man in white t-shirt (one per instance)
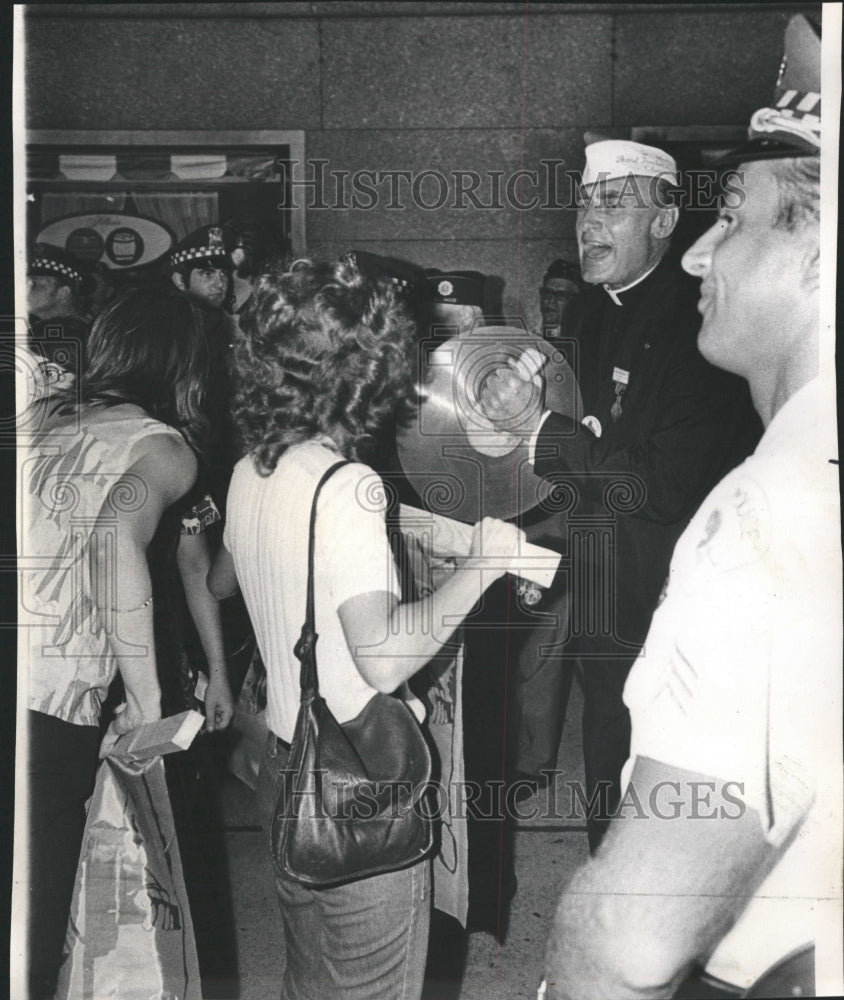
(713, 861)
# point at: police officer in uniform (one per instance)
(192, 630)
(58, 328)
(200, 266)
(733, 698)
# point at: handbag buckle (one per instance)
(305, 643)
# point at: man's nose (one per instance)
(587, 219)
(697, 259)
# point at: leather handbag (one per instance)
(351, 802)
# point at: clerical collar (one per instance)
(615, 292)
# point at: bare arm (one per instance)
(193, 557)
(162, 474)
(391, 642)
(222, 579)
(661, 892)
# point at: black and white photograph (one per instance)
(528, 311)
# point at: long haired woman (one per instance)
(106, 459)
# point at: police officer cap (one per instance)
(462, 288)
(407, 277)
(204, 247)
(565, 270)
(791, 127)
(619, 158)
(47, 259)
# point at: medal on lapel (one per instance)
(620, 378)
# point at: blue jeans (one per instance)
(366, 940)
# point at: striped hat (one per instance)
(407, 277)
(791, 127)
(47, 259)
(203, 247)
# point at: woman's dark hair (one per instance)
(148, 348)
(322, 350)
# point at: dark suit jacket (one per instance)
(684, 425)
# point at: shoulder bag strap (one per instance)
(305, 648)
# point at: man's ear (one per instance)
(664, 222)
(810, 264)
(178, 281)
(64, 293)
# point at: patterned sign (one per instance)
(118, 239)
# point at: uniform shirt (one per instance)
(267, 535)
(741, 658)
(67, 627)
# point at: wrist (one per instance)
(479, 573)
(530, 429)
(146, 705)
(144, 713)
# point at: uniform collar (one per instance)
(806, 420)
(615, 293)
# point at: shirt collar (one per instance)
(806, 420)
(615, 292)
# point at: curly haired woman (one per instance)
(324, 372)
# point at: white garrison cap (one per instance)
(613, 158)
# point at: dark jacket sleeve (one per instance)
(697, 424)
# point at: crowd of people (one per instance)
(188, 419)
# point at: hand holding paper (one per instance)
(446, 538)
(151, 739)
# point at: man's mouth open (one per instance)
(595, 251)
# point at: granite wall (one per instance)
(460, 90)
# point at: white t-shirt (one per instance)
(741, 663)
(267, 535)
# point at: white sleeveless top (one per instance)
(67, 472)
